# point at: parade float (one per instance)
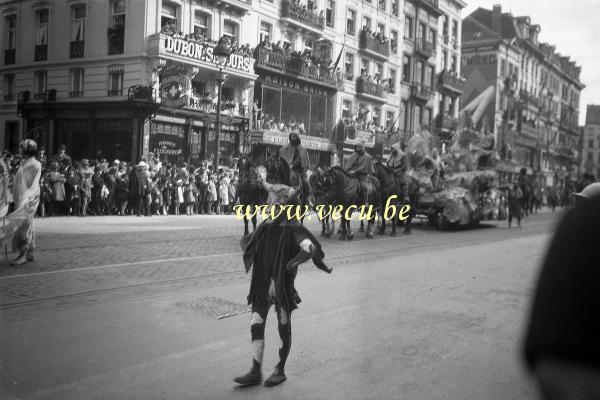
(456, 182)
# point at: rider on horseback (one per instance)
(297, 157)
(361, 166)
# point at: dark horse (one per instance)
(250, 191)
(346, 192)
(392, 184)
(323, 198)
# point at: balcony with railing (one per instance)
(451, 83)
(374, 45)
(370, 90)
(424, 48)
(432, 6)
(76, 93)
(115, 92)
(41, 52)
(9, 97)
(421, 91)
(77, 49)
(297, 14)
(10, 56)
(298, 66)
(241, 6)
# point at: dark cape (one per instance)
(288, 151)
(267, 251)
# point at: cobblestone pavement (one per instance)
(84, 261)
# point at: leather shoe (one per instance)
(251, 378)
(20, 260)
(276, 378)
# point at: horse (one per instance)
(280, 172)
(322, 199)
(346, 192)
(391, 185)
(249, 191)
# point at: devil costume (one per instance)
(274, 252)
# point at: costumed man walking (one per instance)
(274, 252)
(361, 166)
(297, 157)
(26, 196)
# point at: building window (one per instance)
(366, 23)
(419, 72)
(376, 116)
(417, 118)
(396, 7)
(389, 120)
(116, 33)
(364, 66)
(381, 29)
(350, 22)
(445, 28)
(433, 37)
(265, 31)
(11, 31)
(230, 29)
(445, 60)
(40, 80)
(406, 68)
(422, 33)
(392, 81)
(427, 117)
(349, 66)
(9, 87)
(168, 17)
(76, 82)
(118, 12)
(408, 27)
(378, 72)
(202, 24)
(346, 108)
(78, 33)
(394, 41)
(115, 80)
(42, 18)
(330, 13)
(287, 39)
(382, 4)
(590, 143)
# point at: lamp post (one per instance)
(221, 54)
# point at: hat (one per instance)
(116, 162)
(591, 190)
(142, 164)
(62, 147)
(85, 162)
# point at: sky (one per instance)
(571, 25)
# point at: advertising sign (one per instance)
(204, 52)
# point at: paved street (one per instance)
(154, 308)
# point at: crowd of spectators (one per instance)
(201, 37)
(152, 187)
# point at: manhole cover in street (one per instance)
(215, 307)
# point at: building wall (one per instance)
(590, 160)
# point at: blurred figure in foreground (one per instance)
(562, 344)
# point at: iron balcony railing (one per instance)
(78, 93)
(421, 91)
(450, 80)
(296, 12)
(10, 56)
(424, 47)
(77, 49)
(9, 97)
(116, 92)
(297, 66)
(41, 52)
(368, 42)
(371, 88)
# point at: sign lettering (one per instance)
(204, 52)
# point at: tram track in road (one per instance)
(364, 251)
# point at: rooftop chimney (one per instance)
(497, 18)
